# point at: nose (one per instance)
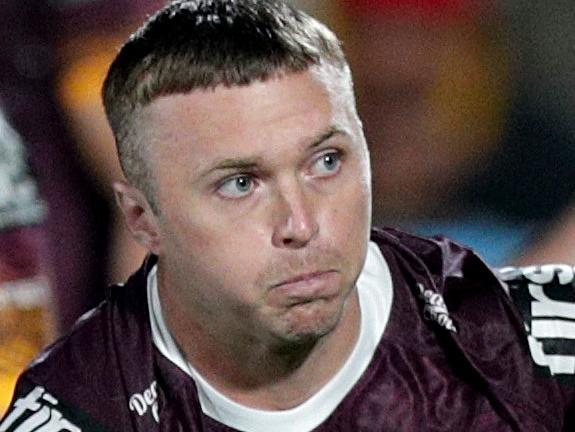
(296, 224)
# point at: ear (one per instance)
(139, 216)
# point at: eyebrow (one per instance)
(251, 163)
(328, 134)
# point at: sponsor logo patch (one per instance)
(435, 309)
(141, 403)
(545, 297)
(37, 412)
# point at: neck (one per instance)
(270, 376)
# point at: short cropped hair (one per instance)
(202, 44)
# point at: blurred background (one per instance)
(468, 108)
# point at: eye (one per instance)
(327, 164)
(236, 187)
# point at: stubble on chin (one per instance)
(302, 326)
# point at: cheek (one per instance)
(352, 204)
(214, 249)
(348, 219)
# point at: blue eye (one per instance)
(328, 163)
(236, 187)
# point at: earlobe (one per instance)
(138, 215)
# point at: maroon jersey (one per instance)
(456, 355)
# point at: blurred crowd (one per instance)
(468, 108)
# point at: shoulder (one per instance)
(510, 324)
(78, 351)
(450, 265)
(449, 286)
(92, 372)
(66, 380)
(453, 289)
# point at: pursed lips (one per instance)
(302, 277)
(308, 286)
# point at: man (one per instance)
(264, 305)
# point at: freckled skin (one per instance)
(302, 206)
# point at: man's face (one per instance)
(264, 201)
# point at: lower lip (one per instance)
(318, 286)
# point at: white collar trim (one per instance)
(375, 291)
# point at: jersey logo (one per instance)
(36, 412)
(141, 402)
(545, 296)
(435, 309)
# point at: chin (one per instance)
(308, 325)
(293, 343)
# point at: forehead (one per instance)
(246, 118)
